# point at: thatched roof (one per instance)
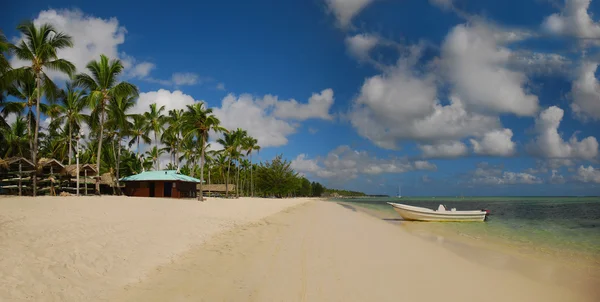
(108, 179)
(216, 188)
(46, 162)
(13, 163)
(72, 170)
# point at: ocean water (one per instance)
(566, 228)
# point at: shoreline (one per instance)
(580, 274)
(320, 251)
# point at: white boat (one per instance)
(441, 214)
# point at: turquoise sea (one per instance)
(566, 228)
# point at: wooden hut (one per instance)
(52, 168)
(16, 175)
(165, 183)
(86, 180)
(216, 189)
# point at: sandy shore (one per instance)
(82, 249)
(321, 251)
(140, 249)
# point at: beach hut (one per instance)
(216, 189)
(86, 171)
(165, 183)
(49, 167)
(13, 170)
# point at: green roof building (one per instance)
(165, 183)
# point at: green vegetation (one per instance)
(98, 101)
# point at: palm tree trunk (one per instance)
(100, 144)
(201, 196)
(118, 166)
(209, 182)
(237, 186)
(35, 138)
(251, 183)
(70, 145)
(156, 144)
(29, 134)
(227, 181)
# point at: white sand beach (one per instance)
(142, 249)
(83, 248)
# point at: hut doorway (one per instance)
(152, 187)
(167, 189)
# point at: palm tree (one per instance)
(71, 107)
(249, 145)
(198, 122)
(24, 88)
(231, 146)
(189, 148)
(119, 122)
(175, 127)
(39, 47)
(155, 154)
(156, 123)
(103, 86)
(5, 48)
(139, 131)
(14, 138)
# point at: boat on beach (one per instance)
(441, 214)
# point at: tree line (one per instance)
(98, 100)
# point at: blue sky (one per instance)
(445, 97)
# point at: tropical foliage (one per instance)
(94, 108)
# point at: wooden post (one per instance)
(20, 182)
(85, 180)
(52, 193)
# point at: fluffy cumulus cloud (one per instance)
(496, 143)
(548, 142)
(444, 4)
(402, 104)
(345, 10)
(476, 64)
(91, 37)
(344, 163)
(444, 150)
(585, 92)
(265, 118)
(317, 107)
(269, 119)
(589, 174)
(494, 175)
(574, 20)
(360, 45)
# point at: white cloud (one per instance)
(574, 20)
(344, 163)
(475, 62)
(585, 92)
(184, 78)
(444, 149)
(549, 143)
(492, 175)
(317, 107)
(589, 174)
(248, 113)
(360, 45)
(345, 10)
(220, 86)
(170, 99)
(556, 178)
(91, 37)
(141, 70)
(538, 63)
(495, 143)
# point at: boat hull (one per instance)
(423, 214)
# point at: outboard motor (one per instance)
(487, 213)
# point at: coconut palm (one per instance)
(39, 47)
(103, 86)
(198, 122)
(5, 49)
(23, 88)
(119, 123)
(155, 154)
(15, 139)
(231, 143)
(139, 131)
(71, 114)
(156, 123)
(249, 145)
